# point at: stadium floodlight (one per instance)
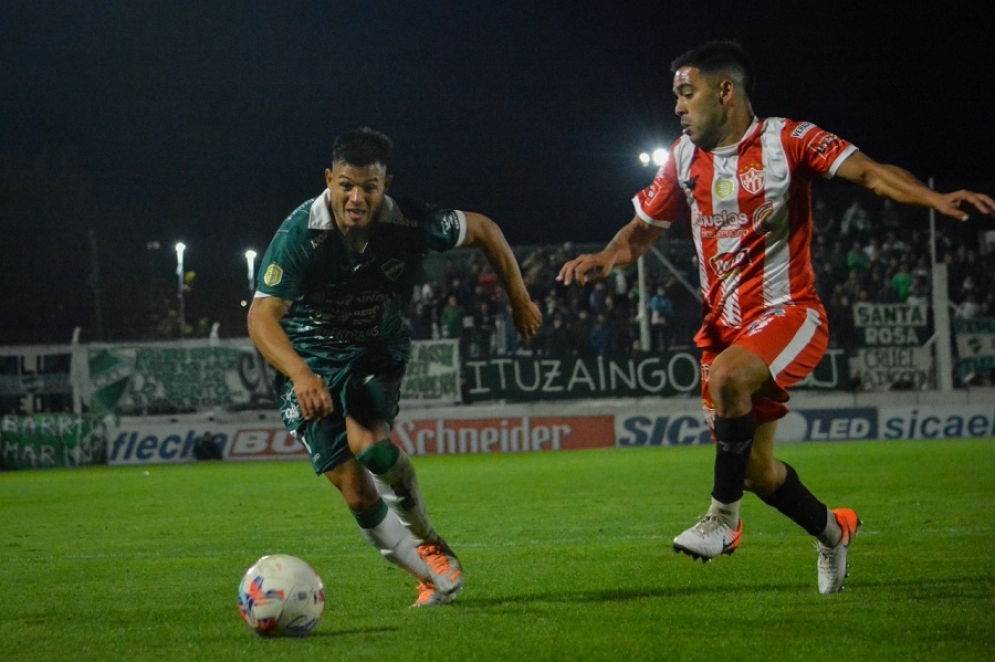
(180, 248)
(658, 157)
(250, 261)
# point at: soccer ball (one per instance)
(281, 596)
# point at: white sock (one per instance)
(398, 487)
(727, 512)
(833, 534)
(397, 545)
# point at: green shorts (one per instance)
(365, 385)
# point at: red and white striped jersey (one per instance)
(750, 213)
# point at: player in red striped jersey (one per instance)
(745, 184)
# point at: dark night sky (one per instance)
(208, 122)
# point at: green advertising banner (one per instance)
(975, 346)
(522, 379)
(527, 379)
(42, 441)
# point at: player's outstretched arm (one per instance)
(485, 234)
(272, 342)
(893, 182)
(629, 244)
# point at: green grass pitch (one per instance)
(568, 557)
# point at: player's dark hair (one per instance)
(362, 147)
(719, 57)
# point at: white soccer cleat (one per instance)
(447, 572)
(709, 538)
(430, 596)
(832, 560)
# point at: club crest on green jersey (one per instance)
(273, 275)
(392, 268)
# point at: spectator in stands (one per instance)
(535, 269)
(753, 348)
(891, 215)
(581, 327)
(596, 301)
(326, 315)
(554, 303)
(557, 339)
(967, 287)
(823, 221)
(478, 297)
(917, 293)
(825, 281)
(621, 282)
(207, 448)
(840, 313)
(873, 248)
(857, 258)
(458, 288)
(604, 341)
(661, 319)
(482, 332)
(892, 246)
(955, 275)
(619, 319)
(923, 268)
(820, 248)
(507, 338)
(838, 260)
(422, 312)
(488, 282)
(854, 283)
(884, 292)
(451, 318)
(968, 309)
(855, 221)
(901, 281)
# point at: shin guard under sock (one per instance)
(795, 501)
(734, 439)
(397, 483)
(383, 529)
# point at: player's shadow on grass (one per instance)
(625, 595)
(338, 634)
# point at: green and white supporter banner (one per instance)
(892, 346)
(433, 374)
(42, 441)
(189, 377)
(975, 346)
(35, 379)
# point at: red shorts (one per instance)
(790, 340)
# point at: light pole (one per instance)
(658, 157)
(180, 247)
(250, 261)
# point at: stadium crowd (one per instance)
(863, 254)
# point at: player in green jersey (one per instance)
(328, 316)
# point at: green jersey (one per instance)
(347, 302)
(345, 316)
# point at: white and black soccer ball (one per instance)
(281, 596)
